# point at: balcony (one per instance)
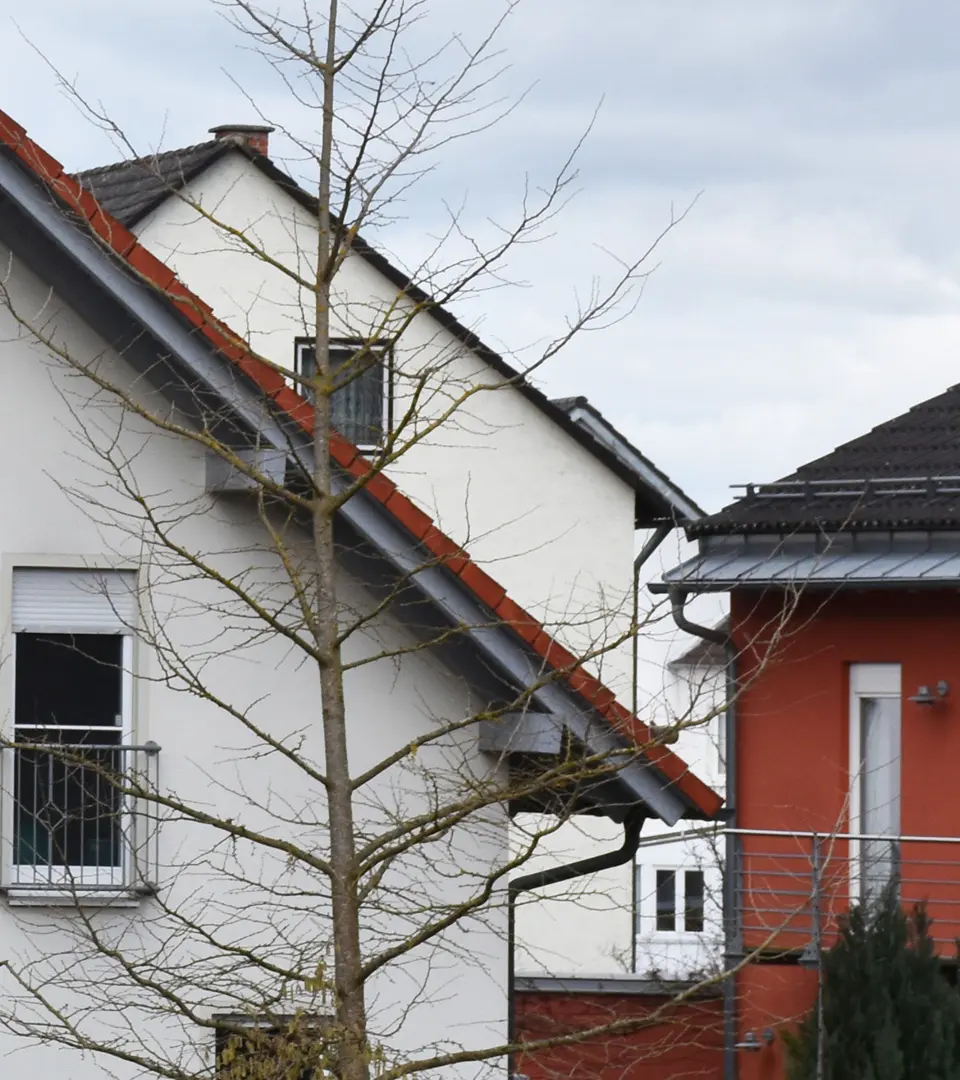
(78, 823)
(791, 888)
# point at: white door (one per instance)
(875, 776)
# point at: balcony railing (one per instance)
(791, 888)
(78, 818)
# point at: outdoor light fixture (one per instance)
(924, 695)
(753, 1043)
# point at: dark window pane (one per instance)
(693, 894)
(68, 680)
(66, 804)
(357, 404)
(67, 807)
(666, 900)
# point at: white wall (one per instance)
(62, 508)
(587, 927)
(543, 516)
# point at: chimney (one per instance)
(255, 137)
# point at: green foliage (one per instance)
(888, 1011)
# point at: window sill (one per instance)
(25, 896)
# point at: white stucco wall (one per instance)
(206, 757)
(543, 516)
(587, 927)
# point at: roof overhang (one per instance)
(861, 560)
(658, 498)
(169, 350)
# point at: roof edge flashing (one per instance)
(586, 417)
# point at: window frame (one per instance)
(867, 681)
(36, 875)
(384, 348)
(54, 885)
(646, 911)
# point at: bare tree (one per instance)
(352, 882)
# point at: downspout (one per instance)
(660, 534)
(653, 542)
(632, 826)
(732, 945)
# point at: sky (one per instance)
(813, 289)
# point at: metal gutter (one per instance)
(733, 946)
(646, 552)
(632, 827)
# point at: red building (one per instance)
(843, 734)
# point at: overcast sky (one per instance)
(814, 289)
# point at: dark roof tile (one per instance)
(902, 474)
(129, 190)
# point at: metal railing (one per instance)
(78, 817)
(792, 888)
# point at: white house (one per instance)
(562, 532)
(658, 916)
(159, 870)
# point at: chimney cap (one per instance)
(225, 131)
(253, 137)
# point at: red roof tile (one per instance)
(454, 558)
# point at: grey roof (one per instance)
(902, 474)
(129, 190)
(720, 571)
(132, 189)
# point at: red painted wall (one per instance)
(686, 1041)
(793, 763)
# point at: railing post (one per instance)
(733, 945)
(815, 884)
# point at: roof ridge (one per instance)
(115, 166)
(378, 485)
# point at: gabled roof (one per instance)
(903, 474)
(405, 518)
(130, 190)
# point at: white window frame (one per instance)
(386, 366)
(679, 903)
(53, 879)
(867, 681)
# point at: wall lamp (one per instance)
(926, 696)
(752, 1043)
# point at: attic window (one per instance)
(361, 398)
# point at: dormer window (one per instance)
(361, 398)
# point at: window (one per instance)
(693, 887)
(361, 400)
(286, 1048)
(72, 658)
(679, 901)
(666, 900)
(874, 775)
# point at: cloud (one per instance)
(812, 292)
